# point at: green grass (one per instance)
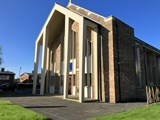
(151, 112)
(9, 111)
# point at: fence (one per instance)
(153, 94)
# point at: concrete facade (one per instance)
(89, 56)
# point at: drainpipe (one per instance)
(118, 61)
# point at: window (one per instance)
(73, 45)
(62, 48)
(62, 80)
(85, 80)
(62, 68)
(138, 66)
(90, 76)
(74, 80)
(88, 80)
(88, 46)
(52, 60)
(54, 69)
(70, 67)
(4, 77)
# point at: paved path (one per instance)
(58, 109)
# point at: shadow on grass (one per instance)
(45, 106)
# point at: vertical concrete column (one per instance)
(48, 69)
(60, 70)
(82, 36)
(66, 57)
(95, 61)
(112, 79)
(36, 62)
(44, 56)
(88, 66)
(51, 70)
(102, 72)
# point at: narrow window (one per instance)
(62, 48)
(74, 80)
(52, 57)
(90, 79)
(85, 80)
(54, 70)
(73, 45)
(88, 42)
(138, 67)
(89, 47)
(70, 67)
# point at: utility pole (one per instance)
(19, 72)
(70, 1)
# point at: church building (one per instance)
(86, 56)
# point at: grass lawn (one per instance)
(9, 111)
(151, 112)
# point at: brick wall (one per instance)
(125, 58)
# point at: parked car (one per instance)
(8, 87)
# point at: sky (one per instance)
(22, 20)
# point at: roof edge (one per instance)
(147, 45)
(45, 23)
(86, 10)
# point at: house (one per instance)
(28, 78)
(6, 76)
(90, 56)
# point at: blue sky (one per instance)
(22, 20)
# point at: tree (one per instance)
(1, 60)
